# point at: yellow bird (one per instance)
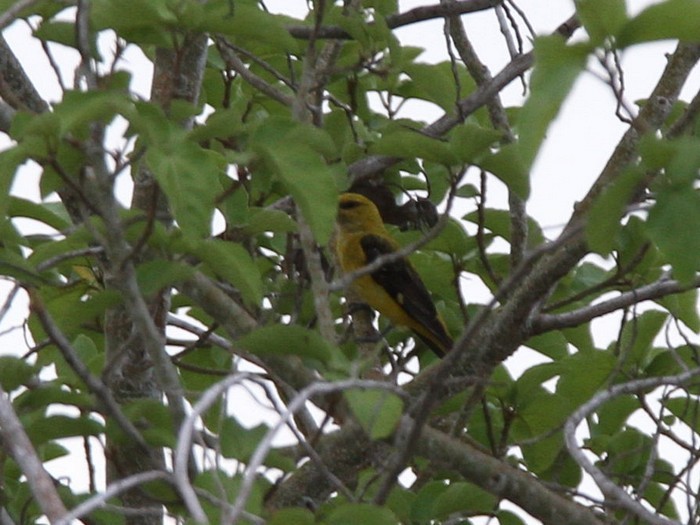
(395, 290)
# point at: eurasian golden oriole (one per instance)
(395, 290)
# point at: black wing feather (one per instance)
(402, 282)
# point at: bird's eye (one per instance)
(348, 205)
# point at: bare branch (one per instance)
(320, 388)
(319, 285)
(616, 494)
(8, 16)
(374, 164)
(15, 87)
(229, 54)
(417, 14)
(113, 489)
(502, 480)
(185, 437)
(656, 290)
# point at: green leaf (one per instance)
(469, 141)
(601, 18)
(400, 501)
(57, 31)
(15, 266)
(10, 160)
(498, 222)
(453, 240)
(657, 495)
(607, 210)
(228, 487)
(551, 344)
(233, 263)
(238, 442)
(578, 387)
(253, 28)
(156, 274)
(557, 65)
(79, 109)
(295, 153)
(672, 361)
(409, 144)
(14, 372)
(53, 393)
(135, 20)
(463, 498)
(292, 516)
(506, 517)
(672, 19)
(687, 410)
(612, 416)
(543, 413)
(435, 83)
(287, 340)
(509, 165)
(48, 212)
(639, 334)
(542, 455)
(154, 420)
(529, 384)
(683, 306)
(364, 513)
(423, 510)
(674, 225)
(57, 427)
(378, 411)
(86, 348)
(266, 220)
(189, 177)
(627, 453)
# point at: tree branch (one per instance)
(502, 480)
(374, 164)
(615, 494)
(412, 16)
(113, 489)
(15, 87)
(656, 290)
(234, 62)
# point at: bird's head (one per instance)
(357, 213)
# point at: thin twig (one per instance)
(616, 495)
(113, 489)
(233, 60)
(656, 290)
(412, 16)
(320, 388)
(9, 15)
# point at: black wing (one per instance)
(404, 285)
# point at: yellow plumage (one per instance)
(395, 290)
